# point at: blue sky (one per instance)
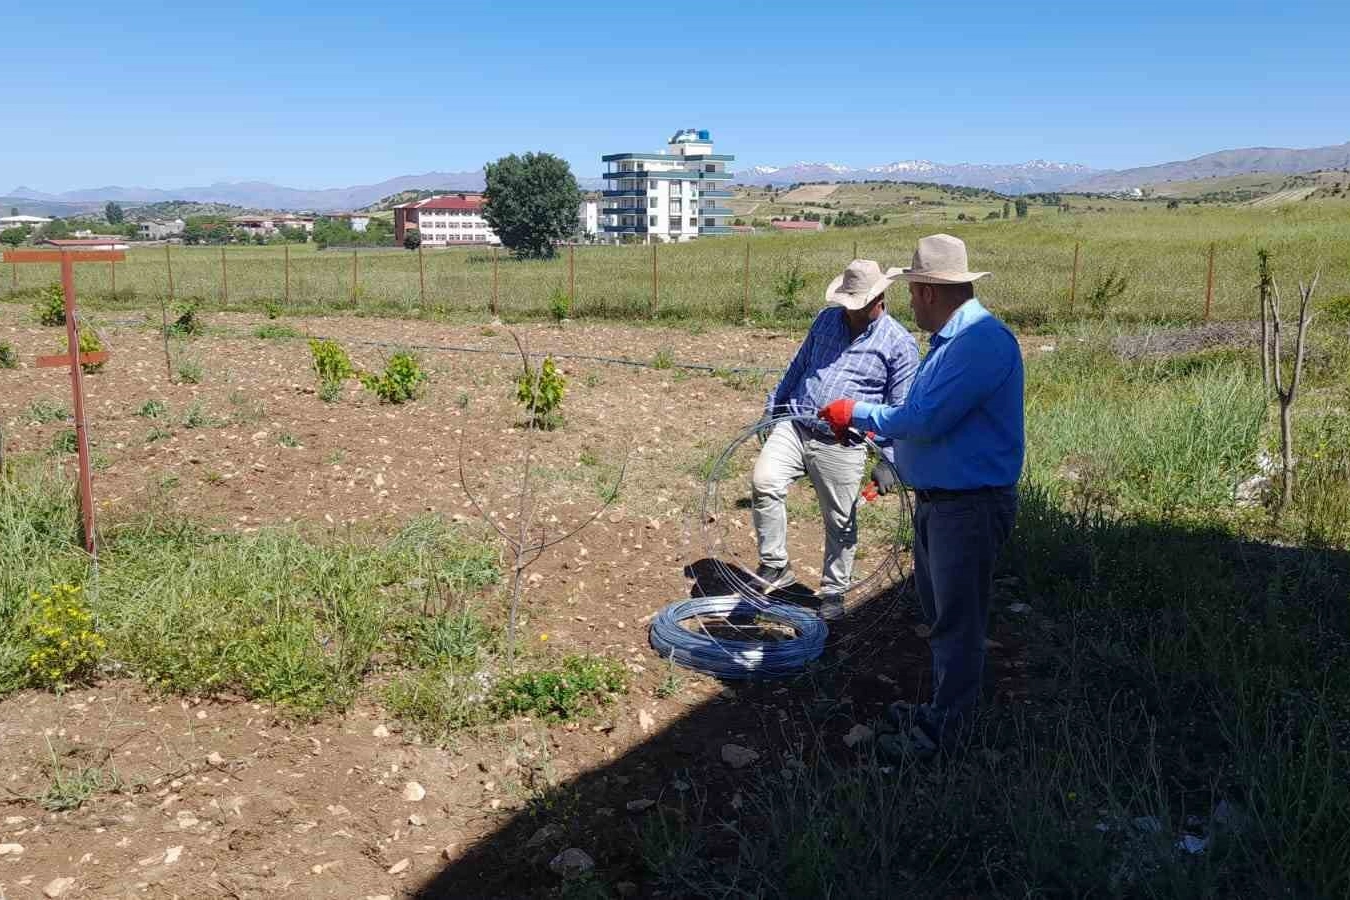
(186, 94)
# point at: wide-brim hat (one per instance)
(939, 259)
(862, 282)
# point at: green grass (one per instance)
(1163, 254)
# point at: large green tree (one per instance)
(114, 214)
(14, 236)
(531, 202)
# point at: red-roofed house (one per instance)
(788, 225)
(445, 220)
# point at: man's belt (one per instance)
(932, 495)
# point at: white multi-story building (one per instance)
(588, 220)
(675, 195)
(445, 220)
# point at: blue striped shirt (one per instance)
(962, 425)
(877, 366)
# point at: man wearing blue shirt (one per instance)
(959, 442)
(854, 349)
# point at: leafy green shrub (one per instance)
(275, 332)
(65, 441)
(197, 417)
(664, 359)
(273, 309)
(50, 307)
(8, 358)
(190, 371)
(90, 342)
(186, 322)
(401, 381)
(541, 393)
(65, 646)
(787, 287)
(152, 409)
(332, 365)
(577, 688)
(559, 305)
(1106, 291)
(40, 412)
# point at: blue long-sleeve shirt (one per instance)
(961, 427)
(877, 365)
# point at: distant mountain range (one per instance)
(1014, 178)
(261, 195)
(1251, 160)
(1018, 178)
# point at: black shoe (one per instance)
(775, 577)
(831, 607)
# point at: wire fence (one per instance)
(732, 279)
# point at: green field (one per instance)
(1161, 253)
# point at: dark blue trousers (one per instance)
(957, 540)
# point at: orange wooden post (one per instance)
(1209, 283)
(224, 279)
(74, 360)
(1073, 279)
(494, 281)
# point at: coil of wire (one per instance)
(733, 659)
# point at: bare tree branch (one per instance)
(477, 507)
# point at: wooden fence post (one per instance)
(422, 275)
(745, 286)
(1073, 279)
(113, 265)
(354, 278)
(286, 295)
(224, 279)
(168, 267)
(572, 274)
(494, 281)
(13, 276)
(655, 282)
(1209, 282)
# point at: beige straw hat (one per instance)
(939, 259)
(861, 283)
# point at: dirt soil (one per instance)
(222, 797)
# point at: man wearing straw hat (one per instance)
(854, 349)
(959, 443)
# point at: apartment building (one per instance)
(445, 220)
(675, 195)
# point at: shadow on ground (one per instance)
(1094, 585)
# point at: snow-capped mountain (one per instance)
(1013, 178)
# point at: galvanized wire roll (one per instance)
(733, 659)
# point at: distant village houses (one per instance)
(158, 230)
(268, 225)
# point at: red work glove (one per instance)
(838, 414)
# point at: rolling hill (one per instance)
(1250, 160)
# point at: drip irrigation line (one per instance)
(485, 351)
